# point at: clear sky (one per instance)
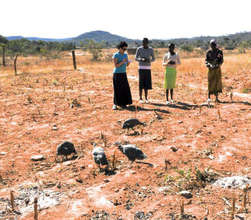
(162, 19)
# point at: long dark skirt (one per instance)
(214, 80)
(122, 92)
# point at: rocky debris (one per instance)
(174, 149)
(142, 215)
(233, 182)
(37, 157)
(129, 204)
(139, 215)
(55, 127)
(164, 189)
(75, 103)
(100, 215)
(106, 180)
(79, 180)
(186, 194)
(25, 195)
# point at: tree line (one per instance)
(25, 47)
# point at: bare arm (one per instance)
(116, 64)
(178, 59)
(127, 61)
(165, 61)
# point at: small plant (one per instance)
(103, 138)
(219, 114)
(246, 90)
(167, 162)
(29, 99)
(55, 82)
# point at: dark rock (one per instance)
(37, 157)
(139, 215)
(79, 180)
(186, 194)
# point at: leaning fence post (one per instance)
(15, 64)
(4, 64)
(12, 200)
(74, 60)
(35, 209)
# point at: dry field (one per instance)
(190, 145)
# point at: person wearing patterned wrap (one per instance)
(214, 60)
(170, 60)
(122, 92)
(144, 55)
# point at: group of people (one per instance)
(145, 56)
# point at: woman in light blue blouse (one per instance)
(122, 92)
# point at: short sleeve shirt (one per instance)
(120, 57)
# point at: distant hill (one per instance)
(38, 38)
(99, 36)
(228, 41)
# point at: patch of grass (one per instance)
(246, 90)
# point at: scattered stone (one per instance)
(67, 163)
(174, 149)
(186, 194)
(106, 180)
(117, 203)
(100, 215)
(59, 186)
(139, 215)
(164, 189)
(50, 185)
(79, 180)
(233, 182)
(82, 167)
(54, 128)
(37, 157)
(211, 157)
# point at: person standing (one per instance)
(170, 60)
(144, 55)
(214, 60)
(122, 92)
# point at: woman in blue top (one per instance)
(122, 92)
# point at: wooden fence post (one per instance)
(35, 209)
(74, 60)
(12, 200)
(15, 64)
(4, 63)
